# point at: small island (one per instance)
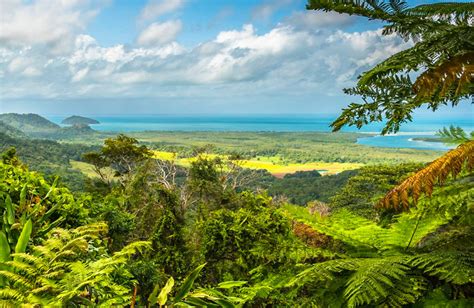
(78, 120)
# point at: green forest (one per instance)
(135, 230)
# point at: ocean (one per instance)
(426, 127)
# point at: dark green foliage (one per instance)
(122, 154)
(49, 157)
(303, 187)
(233, 239)
(365, 189)
(303, 175)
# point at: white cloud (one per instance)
(157, 8)
(286, 60)
(49, 22)
(160, 33)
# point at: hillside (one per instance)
(47, 156)
(28, 122)
(35, 126)
(78, 120)
(10, 131)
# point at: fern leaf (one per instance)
(436, 172)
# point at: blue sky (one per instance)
(183, 56)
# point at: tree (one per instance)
(442, 58)
(363, 190)
(122, 154)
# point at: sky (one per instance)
(184, 57)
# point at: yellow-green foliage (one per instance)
(63, 271)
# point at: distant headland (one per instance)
(78, 120)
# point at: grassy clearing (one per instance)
(88, 169)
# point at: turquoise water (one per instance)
(281, 123)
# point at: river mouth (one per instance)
(406, 141)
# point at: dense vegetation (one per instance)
(148, 233)
(122, 243)
(47, 156)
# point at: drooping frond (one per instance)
(364, 236)
(424, 180)
(370, 281)
(375, 281)
(408, 231)
(356, 231)
(454, 135)
(323, 271)
(455, 267)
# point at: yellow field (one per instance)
(272, 164)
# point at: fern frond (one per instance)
(17, 279)
(374, 280)
(424, 180)
(27, 258)
(343, 225)
(408, 231)
(11, 294)
(18, 266)
(8, 304)
(323, 271)
(454, 267)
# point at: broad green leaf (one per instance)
(23, 196)
(199, 302)
(230, 284)
(24, 237)
(188, 283)
(4, 248)
(10, 210)
(163, 296)
(154, 294)
(224, 303)
(51, 188)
